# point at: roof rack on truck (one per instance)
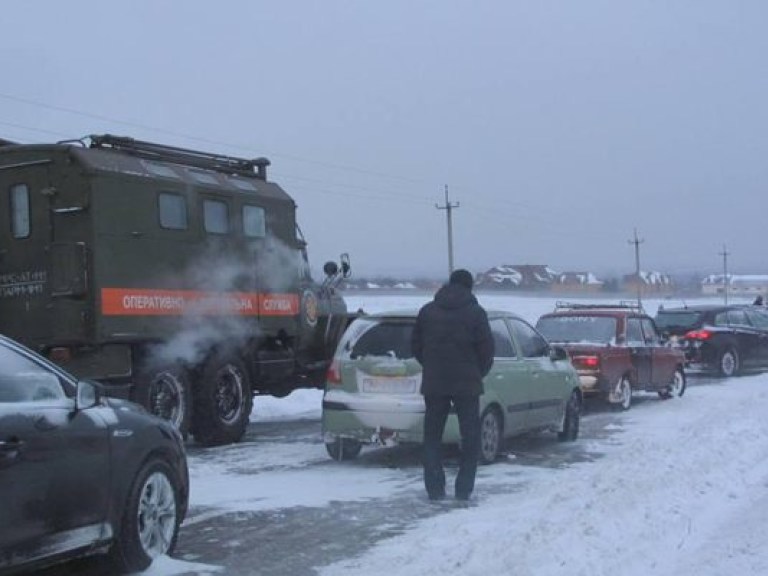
(256, 167)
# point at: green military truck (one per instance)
(177, 278)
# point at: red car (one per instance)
(616, 349)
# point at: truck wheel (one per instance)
(222, 402)
(165, 392)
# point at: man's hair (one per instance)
(462, 277)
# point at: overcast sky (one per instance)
(558, 126)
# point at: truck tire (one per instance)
(222, 402)
(165, 392)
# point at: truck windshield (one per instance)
(592, 329)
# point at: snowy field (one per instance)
(680, 487)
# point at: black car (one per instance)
(724, 339)
(81, 473)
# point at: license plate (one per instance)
(390, 385)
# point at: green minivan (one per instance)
(372, 387)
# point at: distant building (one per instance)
(738, 284)
(577, 282)
(517, 277)
(648, 283)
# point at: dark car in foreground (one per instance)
(372, 393)
(719, 338)
(616, 350)
(82, 474)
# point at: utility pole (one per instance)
(637, 243)
(725, 254)
(448, 207)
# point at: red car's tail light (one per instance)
(586, 361)
(333, 376)
(698, 335)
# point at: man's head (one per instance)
(462, 278)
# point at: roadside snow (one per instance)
(680, 488)
(299, 404)
(683, 491)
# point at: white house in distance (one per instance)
(738, 284)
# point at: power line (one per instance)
(204, 140)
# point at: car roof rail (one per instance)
(161, 152)
(622, 305)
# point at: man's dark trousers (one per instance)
(437, 409)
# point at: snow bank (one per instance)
(681, 490)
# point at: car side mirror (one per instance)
(88, 395)
(557, 353)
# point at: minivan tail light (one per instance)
(699, 335)
(333, 376)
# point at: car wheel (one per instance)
(343, 448)
(677, 388)
(166, 393)
(222, 402)
(623, 394)
(571, 419)
(728, 363)
(150, 521)
(490, 435)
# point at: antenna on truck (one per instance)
(151, 151)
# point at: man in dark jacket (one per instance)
(453, 343)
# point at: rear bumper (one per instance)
(590, 384)
(378, 419)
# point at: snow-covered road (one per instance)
(676, 487)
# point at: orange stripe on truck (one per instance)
(156, 302)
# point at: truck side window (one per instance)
(20, 211)
(215, 217)
(254, 224)
(173, 211)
